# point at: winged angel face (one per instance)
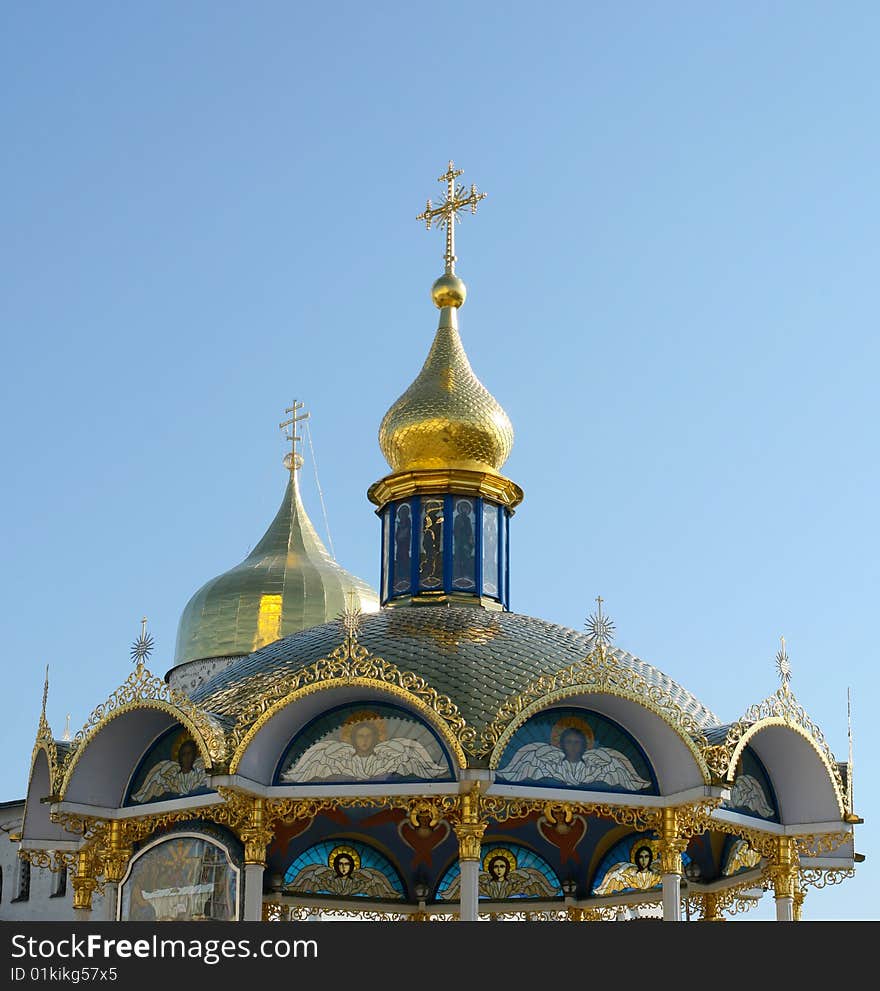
(575, 762)
(360, 751)
(501, 877)
(343, 874)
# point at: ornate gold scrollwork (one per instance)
(349, 664)
(782, 707)
(599, 672)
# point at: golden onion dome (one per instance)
(447, 418)
(289, 582)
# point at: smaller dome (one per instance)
(289, 582)
(446, 418)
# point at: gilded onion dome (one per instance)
(447, 418)
(289, 582)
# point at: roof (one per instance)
(477, 657)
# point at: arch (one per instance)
(150, 848)
(333, 747)
(800, 772)
(663, 741)
(162, 772)
(345, 689)
(519, 874)
(113, 745)
(574, 747)
(37, 825)
(345, 867)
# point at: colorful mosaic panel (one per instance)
(360, 742)
(576, 748)
(345, 868)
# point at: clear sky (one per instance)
(209, 208)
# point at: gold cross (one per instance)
(294, 459)
(457, 198)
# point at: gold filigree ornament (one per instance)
(779, 709)
(597, 673)
(349, 665)
(822, 877)
(143, 690)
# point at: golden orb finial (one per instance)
(448, 290)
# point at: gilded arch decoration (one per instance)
(829, 765)
(439, 711)
(547, 691)
(779, 709)
(143, 690)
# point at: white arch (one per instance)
(257, 756)
(799, 771)
(673, 756)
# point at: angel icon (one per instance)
(362, 752)
(636, 874)
(502, 878)
(747, 793)
(572, 759)
(740, 857)
(343, 874)
(180, 776)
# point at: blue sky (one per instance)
(210, 207)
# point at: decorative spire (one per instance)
(66, 734)
(142, 647)
(45, 695)
(849, 737)
(293, 460)
(600, 627)
(783, 666)
(449, 290)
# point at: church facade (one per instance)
(422, 752)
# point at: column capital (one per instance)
(116, 853)
(84, 880)
(671, 845)
(784, 868)
(257, 833)
(470, 838)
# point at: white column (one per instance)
(111, 890)
(784, 909)
(672, 897)
(469, 893)
(253, 892)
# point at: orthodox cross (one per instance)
(456, 198)
(294, 459)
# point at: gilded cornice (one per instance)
(488, 485)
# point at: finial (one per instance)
(293, 460)
(849, 770)
(45, 692)
(350, 618)
(599, 626)
(143, 646)
(783, 666)
(66, 735)
(449, 290)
